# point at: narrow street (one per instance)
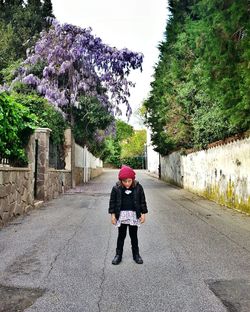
(58, 258)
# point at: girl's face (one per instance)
(127, 183)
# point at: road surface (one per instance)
(58, 258)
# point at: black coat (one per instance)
(115, 201)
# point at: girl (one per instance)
(127, 207)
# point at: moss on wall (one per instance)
(228, 198)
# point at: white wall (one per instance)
(86, 160)
(172, 168)
(79, 156)
(221, 173)
(152, 156)
(83, 158)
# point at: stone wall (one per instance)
(220, 173)
(172, 168)
(92, 173)
(95, 172)
(24, 188)
(79, 175)
(17, 185)
(59, 181)
(16, 192)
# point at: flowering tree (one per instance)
(76, 63)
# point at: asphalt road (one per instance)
(58, 258)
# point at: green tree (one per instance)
(91, 120)
(33, 16)
(200, 90)
(20, 24)
(7, 54)
(123, 130)
(10, 8)
(112, 151)
(134, 146)
(47, 11)
(126, 147)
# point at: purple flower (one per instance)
(77, 63)
(4, 88)
(31, 80)
(48, 71)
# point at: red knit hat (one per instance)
(126, 173)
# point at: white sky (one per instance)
(138, 25)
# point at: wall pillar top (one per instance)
(43, 130)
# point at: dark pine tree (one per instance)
(22, 21)
(8, 8)
(35, 6)
(47, 11)
(1, 9)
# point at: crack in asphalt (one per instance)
(66, 244)
(103, 277)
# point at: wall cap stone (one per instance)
(59, 170)
(43, 130)
(15, 169)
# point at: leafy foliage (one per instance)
(16, 126)
(136, 162)
(200, 91)
(127, 147)
(7, 53)
(47, 116)
(123, 130)
(134, 146)
(92, 124)
(112, 152)
(20, 24)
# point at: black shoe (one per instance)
(118, 257)
(138, 259)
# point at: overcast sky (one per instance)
(138, 25)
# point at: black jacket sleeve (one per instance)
(143, 203)
(112, 200)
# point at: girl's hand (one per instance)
(142, 218)
(113, 219)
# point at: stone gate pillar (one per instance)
(67, 148)
(42, 136)
(70, 154)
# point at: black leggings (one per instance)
(122, 231)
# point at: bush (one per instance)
(16, 126)
(47, 115)
(134, 162)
